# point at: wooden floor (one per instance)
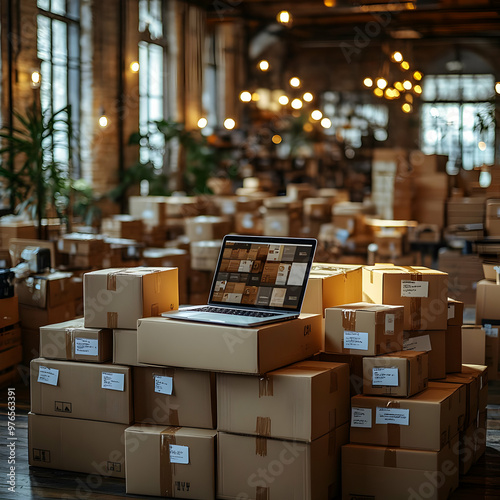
(482, 482)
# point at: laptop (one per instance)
(258, 280)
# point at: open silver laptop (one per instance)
(258, 280)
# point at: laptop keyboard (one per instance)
(235, 312)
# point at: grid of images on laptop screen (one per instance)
(262, 275)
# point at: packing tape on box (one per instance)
(261, 493)
(349, 320)
(167, 469)
(261, 446)
(390, 457)
(415, 302)
(70, 343)
(266, 386)
(263, 426)
(393, 430)
(112, 320)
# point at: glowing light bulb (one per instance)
(405, 65)
(326, 123)
(406, 107)
(497, 87)
(245, 96)
(330, 3)
(276, 139)
(482, 146)
(295, 82)
(134, 66)
(103, 121)
(255, 97)
(368, 82)
(399, 86)
(283, 100)
(407, 85)
(417, 89)
(378, 92)
(284, 17)
(36, 77)
(296, 104)
(202, 122)
(229, 123)
(308, 127)
(316, 115)
(381, 83)
(308, 97)
(417, 75)
(264, 65)
(397, 56)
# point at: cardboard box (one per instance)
(331, 285)
(9, 312)
(400, 374)
(125, 348)
(174, 396)
(487, 300)
(81, 244)
(453, 354)
(117, 298)
(473, 345)
(81, 390)
(471, 385)
(300, 402)
(46, 290)
(15, 229)
(72, 341)
(363, 328)
(455, 312)
(10, 336)
(34, 317)
(77, 445)
(204, 255)
(426, 421)
(123, 226)
(17, 245)
(174, 462)
(462, 399)
(374, 472)
(432, 342)
(423, 292)
(213, 347)
(493, 217)
(492, 351)
(479, 372)
(248, 467)
(203, 228)
(10, 357)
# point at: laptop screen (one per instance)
(263, 272)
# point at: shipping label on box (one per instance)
(213, 347)
(117, 298)
(70, 340)
(301, 402)
(363, 328)
(401, 374)
(432, 342)
(423, 293)
(455, 312)
(174, 396)
(85, 446)
(425, 421)
(81, 390)
(175, 462)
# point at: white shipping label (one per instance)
(385, 376)
(451, 311)
(361, 417)
(398, 416)
(87, 347)
(389, 324)
(48, 376)
(422, 343)
(356, 340)
(113, 381)
(179, 454)
(491, 332)
(414, 288)
(164, 385)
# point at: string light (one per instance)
(397, 56)
(316, 115)
(284, 17)
(482, 146)
(295, 82)
(245, 96)
(368, 82)
(134, 66)
(229, 123)
(378, 92)
(36, 78)
(407, 85)
(326, 123)
(264, 65)
(406, 107)
(381, 83)
(399, 86)
(283, 100)
(405, 65)
(497, 87)
(308, 97)
(417, 75)
(255, 97)
(202, 122)
(417, 89)
(296, 104)
(103, 120)
(276, 139)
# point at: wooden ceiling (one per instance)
(315, 23)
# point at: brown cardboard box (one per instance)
(423, 292)
(152, 210)
(400, 374)
(493, 217)
(250, 467)
(432, 342)
(205, 227)
(301, 402)
(331, 285)
(480, 372)
(31, 345)
(390, 244)
(202, 346)
(473, 344)
(10, 336)
(426, 421)
(117, 298)
(76, 445)
(204, 254)
(364, 329)
(9, 312)
(453, 342)
(13, 229)
(174, 396)
(125, 348)
(462, 399)
(16, 247)
(81, 244)
(249, 223)
(34, 317)
(10, 357)
(471, 384)
(123, 226)
(72, 341)
(492, 348)
(487, 300)
(455, 312)
(174, 462)
(374, 472)
(46, 290)
(81, 390)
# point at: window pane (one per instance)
(43, 4)
(60, 46)
(43, 37)
(58, 7)
(59, 88)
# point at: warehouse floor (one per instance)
(482, 482)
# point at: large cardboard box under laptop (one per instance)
(76, 445)
(426, 421)
(301, 402)
(378, 473)
(423, 293)
(72, 341)
(117, 298)
(174, 396)
(174, 462)
(258, 468)
(81, 390)
(205, 346)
